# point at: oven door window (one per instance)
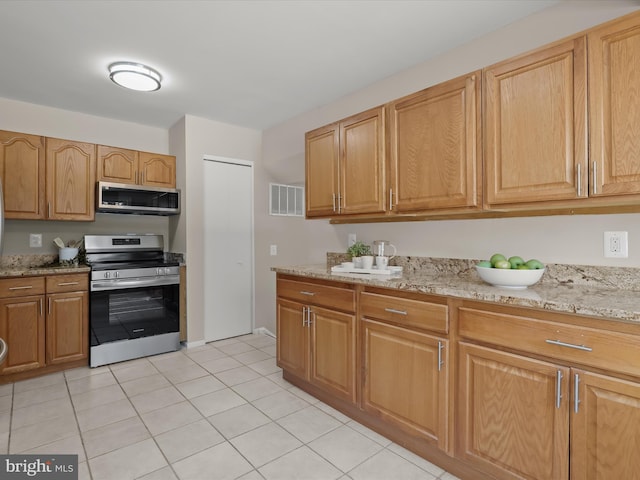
(134, 313)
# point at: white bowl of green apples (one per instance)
(512, 272)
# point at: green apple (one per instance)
(524, 266)
(534, 264)
(485, 264)
(496, 257)
(516, 261)
(504, 264)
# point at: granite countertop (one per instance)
(555, 293)
(30, 271)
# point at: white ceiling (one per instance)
(253, 63)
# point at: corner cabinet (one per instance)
(436, 147)
(316, 327)
(345, 166)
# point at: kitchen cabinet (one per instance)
(406, 366)
(131, 167)
(614, 116)
(22, 171)
(541, 392)
(71, 177)
(535, 126)
(316, 334)
(40, 338)
(345, 166)
(436, 147)
(157, 170)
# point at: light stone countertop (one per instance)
(25, 271)
(583, 299)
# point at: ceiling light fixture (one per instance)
(135, 76)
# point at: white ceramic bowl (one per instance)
(508, 278)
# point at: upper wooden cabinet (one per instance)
(535, 126)
(22, 171)
(435, 145)
(71, 174)
(345, 166)
(614, 107)
(136, 168)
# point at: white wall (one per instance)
(52, 122)
(558, 239)
(204, 137)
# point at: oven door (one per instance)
(133, 308)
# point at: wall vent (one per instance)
(286, 200)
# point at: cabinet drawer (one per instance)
(19, 287)
(67, 283)
(603, 349)
(322, 295)
(404, 311)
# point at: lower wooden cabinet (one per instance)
(22, 327)
(67, 333)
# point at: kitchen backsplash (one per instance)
(584, 275)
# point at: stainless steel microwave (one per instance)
(136, 199)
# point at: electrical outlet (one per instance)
(616, 245)
(273, 250)
(351, 239)
(35, 240)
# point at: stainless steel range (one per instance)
(134, 298)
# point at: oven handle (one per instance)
(123, 283)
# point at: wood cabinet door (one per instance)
(362, 163)
(435, 144)
(157, 170)
(292, 346)
(71, 178)
(511, 424)
(605, 427)
(67, 327)
(614, 116)
(22, 327)
(333, 352)
(404, 382)
(535, 126)
(22, 171)
(117, 165)
(322, 149)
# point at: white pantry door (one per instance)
(228, 248)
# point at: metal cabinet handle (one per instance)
(41, 312)
(595, 178)
(48, 209)
(393, 310)
(584, 348)
(576, 392)
(440, 361)
(579, 172)
(142, 178)
(558, 388)
(49, 306)
(65, 284)
(309, 320)
(339, 202)
(333, 200)
(304, 314)
(305, 292)
(390, 199)
(26, 287)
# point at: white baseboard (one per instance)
(264, 331)
(197, 343)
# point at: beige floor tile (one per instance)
(136, 370)
(265, 444)
(269, 350)
(308, 424)
(91, 382)
(47, 431)
(83, 471)
(239, 420)
(385, 465)
(341, 417)
(183, 374)
(163, 474)
(96, 398)
(144, 385)
(220, 364)
(105, 414)
(416, 460)
(345, 448)
(217, 402)
(235, 348)
(4, 443)
(252, 475)
(6, 403)
(223, 458)
(277, 379)
(252, 357)
(38, 382)
(42, 411)
(200, 386)
(39, 395)
(6, 389)
(147, 402)
(185, 441)
(304, 395)
(172, 361)
(206, 355)
(168, 418)
(261, 341)
(113, 436)
(128, 363)
(300, 463)
(279, 404)
(376, 437)
(449, 476)
(5, 421)
(80, 372)
(128, 462)
(222, 343)
(67, 446)
(266, 367)
(258, 388)
(237, 375)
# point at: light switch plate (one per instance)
(616, 244)
(35, 240)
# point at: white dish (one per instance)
(510, 278)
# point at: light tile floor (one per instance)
(219, 411)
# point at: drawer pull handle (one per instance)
(310, 294)
(64, 284)
(584, 348)
(440, 360)
(576, 393)
(393, 310)
(26, 287)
